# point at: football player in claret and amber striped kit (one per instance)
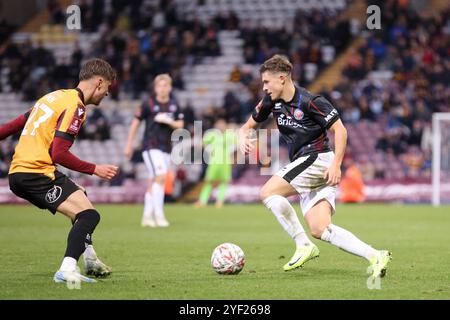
(48, 131)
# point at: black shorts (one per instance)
(42, 191)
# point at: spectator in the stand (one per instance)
(226, 20)
(97, 127)
(415, 136)
(246, 76)
(55, 10)
(189, 116)
(397, 142)
(367, 167)
(405, 115)
(5, 30)
(350, 113)
(382, 143)
(376, 103)
(116, 118)
(232, 105)
(209, 115)
(378, 47)
(414, 160)
(392, 142)
(422, 111)
(236, 74)
(102, 133)
(366, 112)
(355, 69)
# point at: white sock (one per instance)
(158, 200)
(68, 264)
(89, 252)
(347, 241)
(148, 206)
(288, 218)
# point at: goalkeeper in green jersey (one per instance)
(221, 145)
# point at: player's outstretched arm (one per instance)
(128, 151)
(13, 126)
(333, 174)
(61, 155)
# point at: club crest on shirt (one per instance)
(298, 114)
(172, 108)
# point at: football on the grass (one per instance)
(228, 258)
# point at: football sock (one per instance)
(90, 253)
(222, 192)
(205, 193)
(288, 218)
(158, 199)
(148, 205)
(347, 241)
(68, 264)
(81, 231)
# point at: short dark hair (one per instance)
(277, 63)
(97, 67)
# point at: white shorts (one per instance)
(157, 162)
(306, 176)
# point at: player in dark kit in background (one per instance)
(314, 172)
(48, 131)
(161, 115)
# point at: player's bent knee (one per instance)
(317, 232)
(77, 202)
(89, 218)
(265, 193)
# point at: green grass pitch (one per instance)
(174, 263)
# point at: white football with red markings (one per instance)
(228, 258)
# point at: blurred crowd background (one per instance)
(385, 83)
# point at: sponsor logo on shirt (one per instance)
(331, 115)
(288, 122)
